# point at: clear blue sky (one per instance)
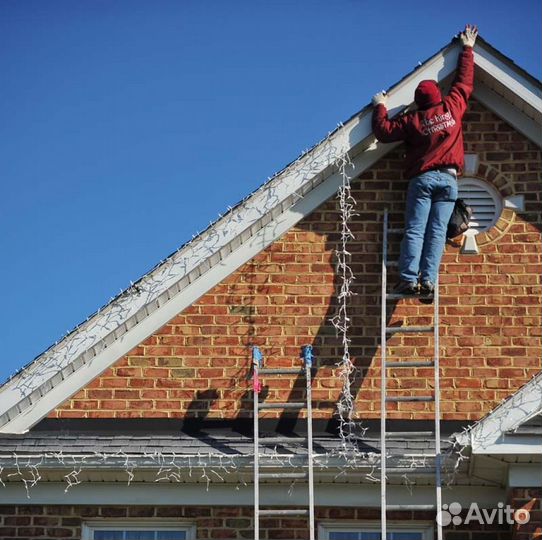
(127, 125)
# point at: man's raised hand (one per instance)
(380, 99)
(468, 36)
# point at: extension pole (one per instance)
(256, 448)
(308, 376)
(438, 479)
(383, 380)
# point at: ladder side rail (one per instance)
(256, 455)
(308, 373)
(438, 457)
(383, 382)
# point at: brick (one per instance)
(113, 512)
(7, 510)
(128, 372)
(183, 373)
(18, 520)
(154, 394)
(223, 533)
(58, 533)
(113, 404)
(155, 372)
(141, 511)
(46, 521)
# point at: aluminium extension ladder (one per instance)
(260, 372)
(385, 398)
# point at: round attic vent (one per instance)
(485, 201)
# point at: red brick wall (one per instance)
(52, 522)
(531, 501)
(197, 365)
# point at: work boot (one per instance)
(427, 290)
(406, 287)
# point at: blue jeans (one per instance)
(430, 202)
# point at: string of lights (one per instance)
(209, 468)
(341, 321)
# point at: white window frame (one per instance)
(150, 524)
(424, 527)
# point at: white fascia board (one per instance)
(508, 76)
(531, 446)
(236, 494)
(62, 391)
(506, 110)
(525, 475)
(489, 435)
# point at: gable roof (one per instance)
(514, 427)
(244, 231)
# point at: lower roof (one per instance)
(140, 436)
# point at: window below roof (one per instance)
(361, 531)
(126, 530)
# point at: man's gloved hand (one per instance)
(468, 36)
(380, 99)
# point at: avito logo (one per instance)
(450, 514)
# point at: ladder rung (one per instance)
(274, 440)
(410, 398)
(284, 475)
(411, 507)
(282, 405)
(409, 329)
(281, 371)
(407, 434)
(402, 456)
(392, 263)
(410, 470)
(397, 296)
(395, 231)
(427, 363)
(283, 512)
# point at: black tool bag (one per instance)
(459, 221)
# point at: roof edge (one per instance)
(508, 415)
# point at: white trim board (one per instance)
(182, 278)
(489, 435)
(524, 88)
(508, 445)
(237, 494)
(510, 114)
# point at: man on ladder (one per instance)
(434, 157)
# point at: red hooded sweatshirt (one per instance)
(433, 134)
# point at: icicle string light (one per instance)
(341, 321)
(209, 468)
